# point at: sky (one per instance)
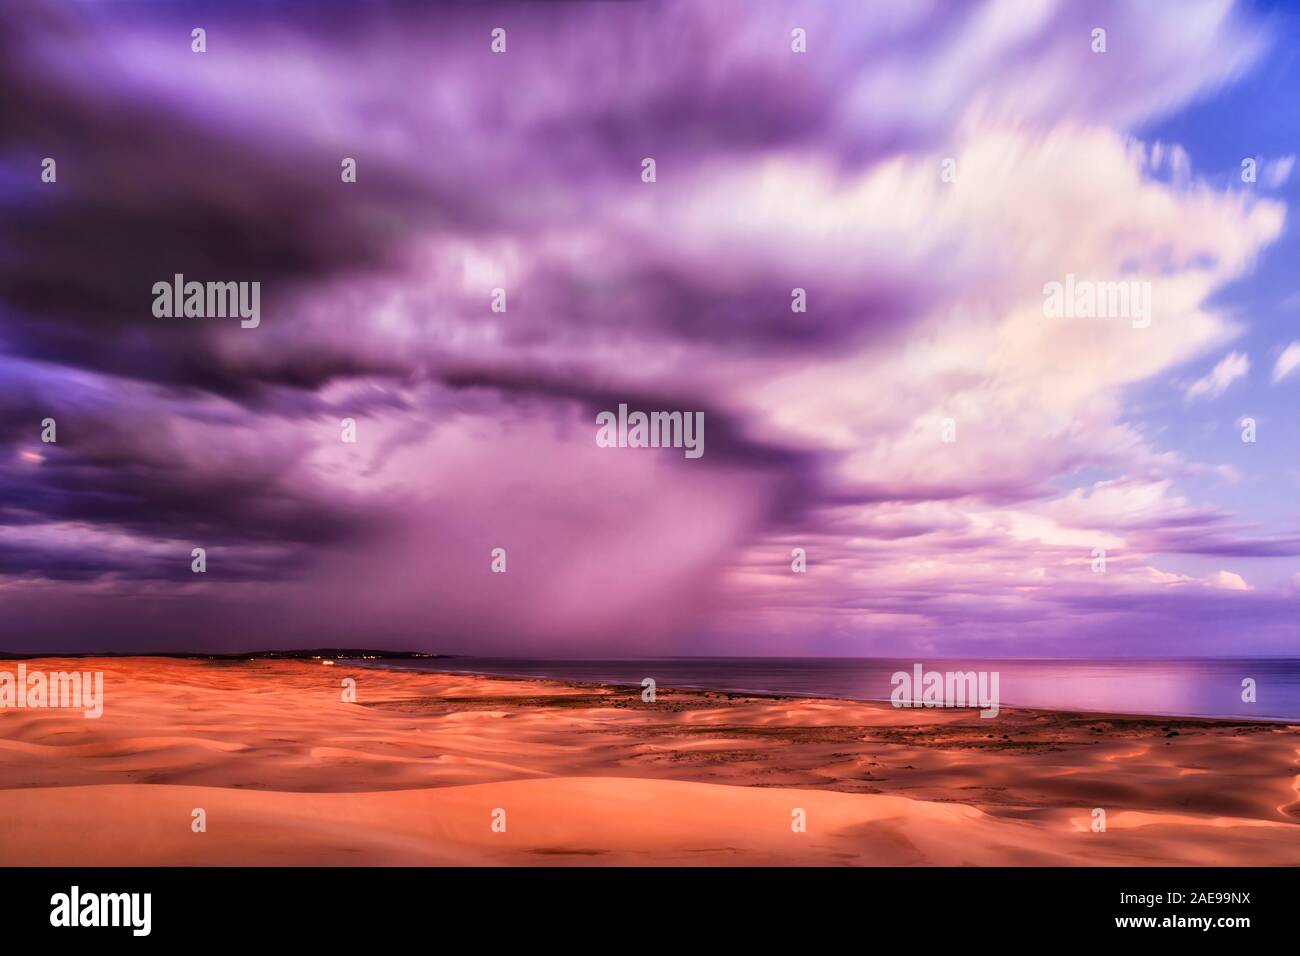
(952, 459)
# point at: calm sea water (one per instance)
(1189, 688)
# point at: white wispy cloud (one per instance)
(1231, 367)
(1276, 172)
(1287, 362)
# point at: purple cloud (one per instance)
(521, 171)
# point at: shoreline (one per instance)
(786, 695)
(378, 662)
(388, 660)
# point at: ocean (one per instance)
(1202, 687)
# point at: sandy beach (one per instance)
(420, 768)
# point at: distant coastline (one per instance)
(1188, 687)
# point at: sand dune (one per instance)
(411, 773)
(588, 820)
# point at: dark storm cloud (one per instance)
(521, 171)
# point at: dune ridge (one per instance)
(411, 773)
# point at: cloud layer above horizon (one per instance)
(775, 170)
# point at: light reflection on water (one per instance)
(1190, 688)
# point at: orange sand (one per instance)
(411, 774)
